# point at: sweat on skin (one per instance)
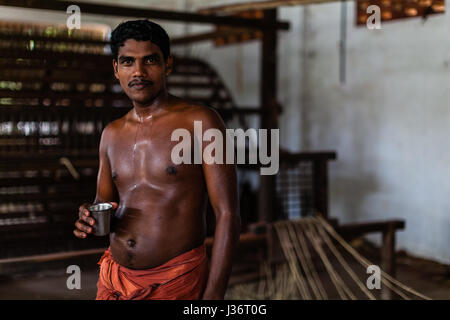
(213, 152)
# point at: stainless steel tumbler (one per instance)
(101, 212)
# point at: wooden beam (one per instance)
(268, 92)
(354, 230)
(258, 5)
(307, 155)
(205, 36)
(195, 38)
(121, 11)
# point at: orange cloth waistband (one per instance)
(182, 277)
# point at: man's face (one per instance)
(141, 70)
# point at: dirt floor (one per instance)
(48, 281)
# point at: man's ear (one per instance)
(116, 72)
(169, 65)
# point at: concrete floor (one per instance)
(48, 285)
(49, 282)
(427, 277)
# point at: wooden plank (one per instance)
(357, 229)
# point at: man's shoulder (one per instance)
(114, 126)
(192, 111)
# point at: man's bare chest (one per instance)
(145, 153)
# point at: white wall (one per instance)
(389, 123)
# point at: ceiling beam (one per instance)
(207, 36)
(196, 38)
(258, 5)
(121, 11)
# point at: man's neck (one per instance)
(144, 112)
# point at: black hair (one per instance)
(140, 30)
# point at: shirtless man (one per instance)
(160, 218)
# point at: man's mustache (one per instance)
(144, 82)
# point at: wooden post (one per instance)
(268, 119)
(388, 257)
(320, 186)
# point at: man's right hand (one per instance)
(85, 222)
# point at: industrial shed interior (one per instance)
(363, 154)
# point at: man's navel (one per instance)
(171, 170)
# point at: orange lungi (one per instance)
(183, 277)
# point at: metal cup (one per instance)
(101, 212)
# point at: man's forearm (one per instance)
(226, 238)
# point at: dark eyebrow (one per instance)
(153, 55)
(123, 58)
